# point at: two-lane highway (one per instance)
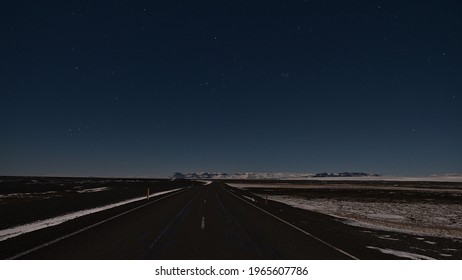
(201, 222)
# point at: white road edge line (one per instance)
(297, 228)
(89, 227)
(53, 221)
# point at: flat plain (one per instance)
(105, 218)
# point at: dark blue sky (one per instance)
(146, 88)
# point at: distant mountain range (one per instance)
(274, 176)
(345, 174)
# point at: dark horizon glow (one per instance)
(147, 88)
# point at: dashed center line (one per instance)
(203, 223)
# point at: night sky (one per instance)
(147, 88)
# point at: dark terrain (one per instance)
(200, 221)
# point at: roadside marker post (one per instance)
(266, 199)
(147, 194)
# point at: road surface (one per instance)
(200, 222)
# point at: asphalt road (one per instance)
(200, 222)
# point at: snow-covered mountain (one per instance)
(274, 176)
(344, 174)
(318, 176)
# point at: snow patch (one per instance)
(30, 195)
(401, 254)
(387, 237)
(250, 198)
(101, 189)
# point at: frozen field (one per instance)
(430, 208)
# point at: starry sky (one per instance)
(147, 88)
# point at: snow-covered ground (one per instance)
(91, 190)
(49, 194)
(401, 254)
(455, 178)
(333, 186)
(18, 230)
(425, 217)
(43, 195)
(415, 218)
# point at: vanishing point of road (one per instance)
(200, 222)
